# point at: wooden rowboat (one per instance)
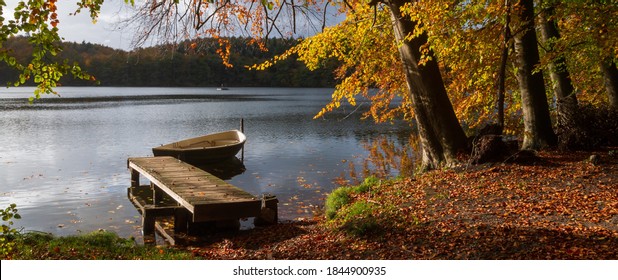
(204, 149)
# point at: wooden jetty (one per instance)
(198, 195)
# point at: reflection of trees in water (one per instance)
(387, 158)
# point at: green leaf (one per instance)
(267, 4)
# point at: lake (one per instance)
(63, 160)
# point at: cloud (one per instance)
(80, 28)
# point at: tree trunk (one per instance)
(503, 61)
(538, 132)
(441, 135)
(610, 78)
(566, 100)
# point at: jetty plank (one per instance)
(204, 196)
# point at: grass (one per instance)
(358, 219)
(99, 245)
(342, 195)
(350, 209)
(337, 199)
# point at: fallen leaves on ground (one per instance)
(559, 207)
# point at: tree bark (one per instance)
(566, 100)
(441, 135)
(503, 61)
(610, 78)
(538, 132)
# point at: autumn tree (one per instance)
(584, 45)
(452, 55)
(538, 131)
(448, 51)
(39, 20)
(610, 79)
(175, 21)
(606, 23)
(354, 43)
(587, 42)
(440, 133)
(566, 99)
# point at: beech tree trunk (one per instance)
(610, 78)
(538, 132)
(441, 135)
(566, 100)
(503, 61)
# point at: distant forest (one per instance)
(189, 64)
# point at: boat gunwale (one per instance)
(240, 137)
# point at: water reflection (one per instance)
(387, 158)
(226, 169)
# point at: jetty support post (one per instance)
(148, 220)
(269, 212)
(181, 220)
(157, 195)
(134, 178)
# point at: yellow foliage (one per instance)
(369, 71)
(466, 38)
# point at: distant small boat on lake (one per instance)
(204, 149)
(222, 88)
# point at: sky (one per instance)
(80, 28)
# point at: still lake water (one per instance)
(63, 160)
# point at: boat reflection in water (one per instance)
(225, 169)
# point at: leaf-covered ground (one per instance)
(561, 206)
